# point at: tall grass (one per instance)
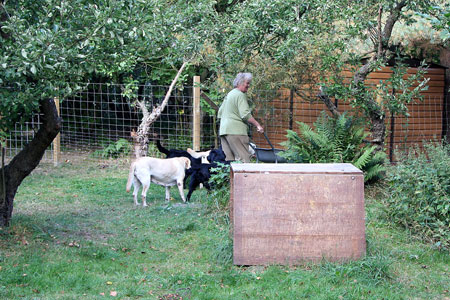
(76, 234)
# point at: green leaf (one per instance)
(24, 53)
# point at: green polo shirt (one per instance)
(233, 114)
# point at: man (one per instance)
(234, 115)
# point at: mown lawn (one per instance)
(76, 234)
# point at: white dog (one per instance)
(166, 172)
(251, 148)
(196, 154)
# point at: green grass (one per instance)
(76, 234)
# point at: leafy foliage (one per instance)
(440, 20)
(334, 140)
(220, 181)
(313, 43)
(419, 192)
(115, 150)
(48, 47)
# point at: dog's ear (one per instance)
(188, 163)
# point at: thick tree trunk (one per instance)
(28, 159)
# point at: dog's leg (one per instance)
(144, 195)
(136, 185)
(167, 193)
(181, 189)
(193, 184)
(145, 187)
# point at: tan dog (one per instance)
(165, 172)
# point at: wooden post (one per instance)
(197, 114)
(57, 140)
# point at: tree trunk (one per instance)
(141, 137)
(27, 159)
(378, 130)
(375, 111)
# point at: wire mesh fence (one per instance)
(101, 115)
(426, 119)
(98, 120)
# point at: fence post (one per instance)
(197, 114)
(57, 140)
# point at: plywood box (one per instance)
(295, 213)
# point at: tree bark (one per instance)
(28, 158)
(327, 101)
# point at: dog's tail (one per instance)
(130, 176)
(161, 148)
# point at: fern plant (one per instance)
(334, 140)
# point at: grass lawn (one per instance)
(76, 234)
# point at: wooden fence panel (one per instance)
(425, 121)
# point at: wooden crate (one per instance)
(295, 213)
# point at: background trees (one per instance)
(48, 48)
(312, 43)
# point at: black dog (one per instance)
(199, 173)
(178, 153)
(216, 155)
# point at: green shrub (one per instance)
(220, 181)
(335, 140)
(419, 189)
(114, 150)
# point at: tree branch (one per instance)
(380, 37)
(383, 38)
(330, 105)
(210, 102)
(392, 19)
(141, 137)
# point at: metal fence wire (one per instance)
(100, 116)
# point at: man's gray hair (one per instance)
(241, 78)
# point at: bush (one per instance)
(335, 140)
(220, 183)
(114, 150)
(419, 189)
